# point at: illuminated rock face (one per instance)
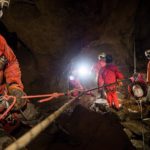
(58, 31)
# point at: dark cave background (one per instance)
(46, 35)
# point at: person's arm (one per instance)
(12, 71)
(12, 74)
(119, 75)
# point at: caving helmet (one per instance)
(102, 56)
(147, 54)
(3, 3)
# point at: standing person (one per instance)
(97, 69)
(147, 54)
(110, 74)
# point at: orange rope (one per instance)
(49, 96)
(7, 98)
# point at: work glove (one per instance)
(119, 83)
(18, 93)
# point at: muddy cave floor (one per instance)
(90, 126)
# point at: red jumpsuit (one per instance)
(97, 67)
(76, 85)
(10, 77)
(11, 72)
(107, 75)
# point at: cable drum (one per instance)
(138, 89)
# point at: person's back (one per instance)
(107, 76)
(110, 74)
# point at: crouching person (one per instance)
(10, 79)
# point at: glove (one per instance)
(119, 83)
(18, 93)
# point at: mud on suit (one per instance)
(107, 75)
(10, 78)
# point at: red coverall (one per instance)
(76, 86)
(97, 67)
(107, 75)
(10, 76)
(11, 73)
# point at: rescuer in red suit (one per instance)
(109, 74)
(10, 81)
(147, 54)
(97, 68)
(74, 84)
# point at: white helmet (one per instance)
(147, 53)
(102, 56)
(3, 3)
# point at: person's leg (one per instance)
(109, 98)
(115, 100)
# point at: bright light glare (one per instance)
(71, 77)
(83, 71)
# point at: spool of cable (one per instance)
(138, 89)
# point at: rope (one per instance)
(141, 110)
(7, 98)
(35, 131)
(49, 96)
(134, 59)
(143, 137)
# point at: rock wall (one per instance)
(57, 31)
